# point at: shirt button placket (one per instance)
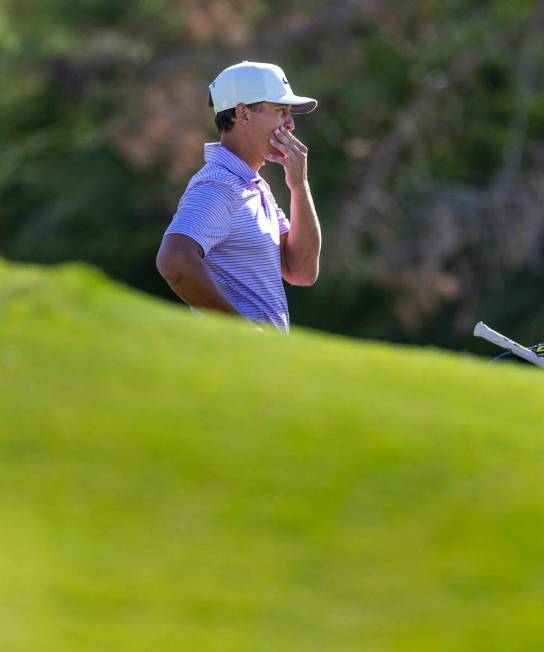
(264, 200)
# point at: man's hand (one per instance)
(292, 154)
(300, 247)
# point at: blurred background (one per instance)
(426, 151)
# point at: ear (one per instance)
(242, 114)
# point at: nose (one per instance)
(289, 123)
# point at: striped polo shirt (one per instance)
(230, 211)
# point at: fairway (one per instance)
(176, 483)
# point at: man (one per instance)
(229, 245)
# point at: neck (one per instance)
(244, 151)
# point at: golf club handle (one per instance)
(482, 330)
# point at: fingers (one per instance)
(274, 158)
(290, 153)
(280, 147)
(287, 144)
(302, 147)
(287, 138)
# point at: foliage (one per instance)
(424, 107)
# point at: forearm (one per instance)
(195, 286)
(303, 242)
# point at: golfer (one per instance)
(229, 245)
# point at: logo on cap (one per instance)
(285, 81)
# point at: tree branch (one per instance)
(343, 255)
(527, 72)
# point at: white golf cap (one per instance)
(249, 82)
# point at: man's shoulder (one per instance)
(215, 175)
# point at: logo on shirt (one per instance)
(285, 81)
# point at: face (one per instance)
(266, 119)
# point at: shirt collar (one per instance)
(216, 153)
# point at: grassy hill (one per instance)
(177, 483)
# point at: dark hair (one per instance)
(224, 120)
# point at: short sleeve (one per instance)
(204, 214)
(284, 223)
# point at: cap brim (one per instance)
(298, 104)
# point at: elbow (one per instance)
(309, 273)
(303, 279)
(163, 266)
(308, 280)
(302, 270)
(171, 269)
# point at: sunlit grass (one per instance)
(179, 483)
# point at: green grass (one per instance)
(184, 484)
